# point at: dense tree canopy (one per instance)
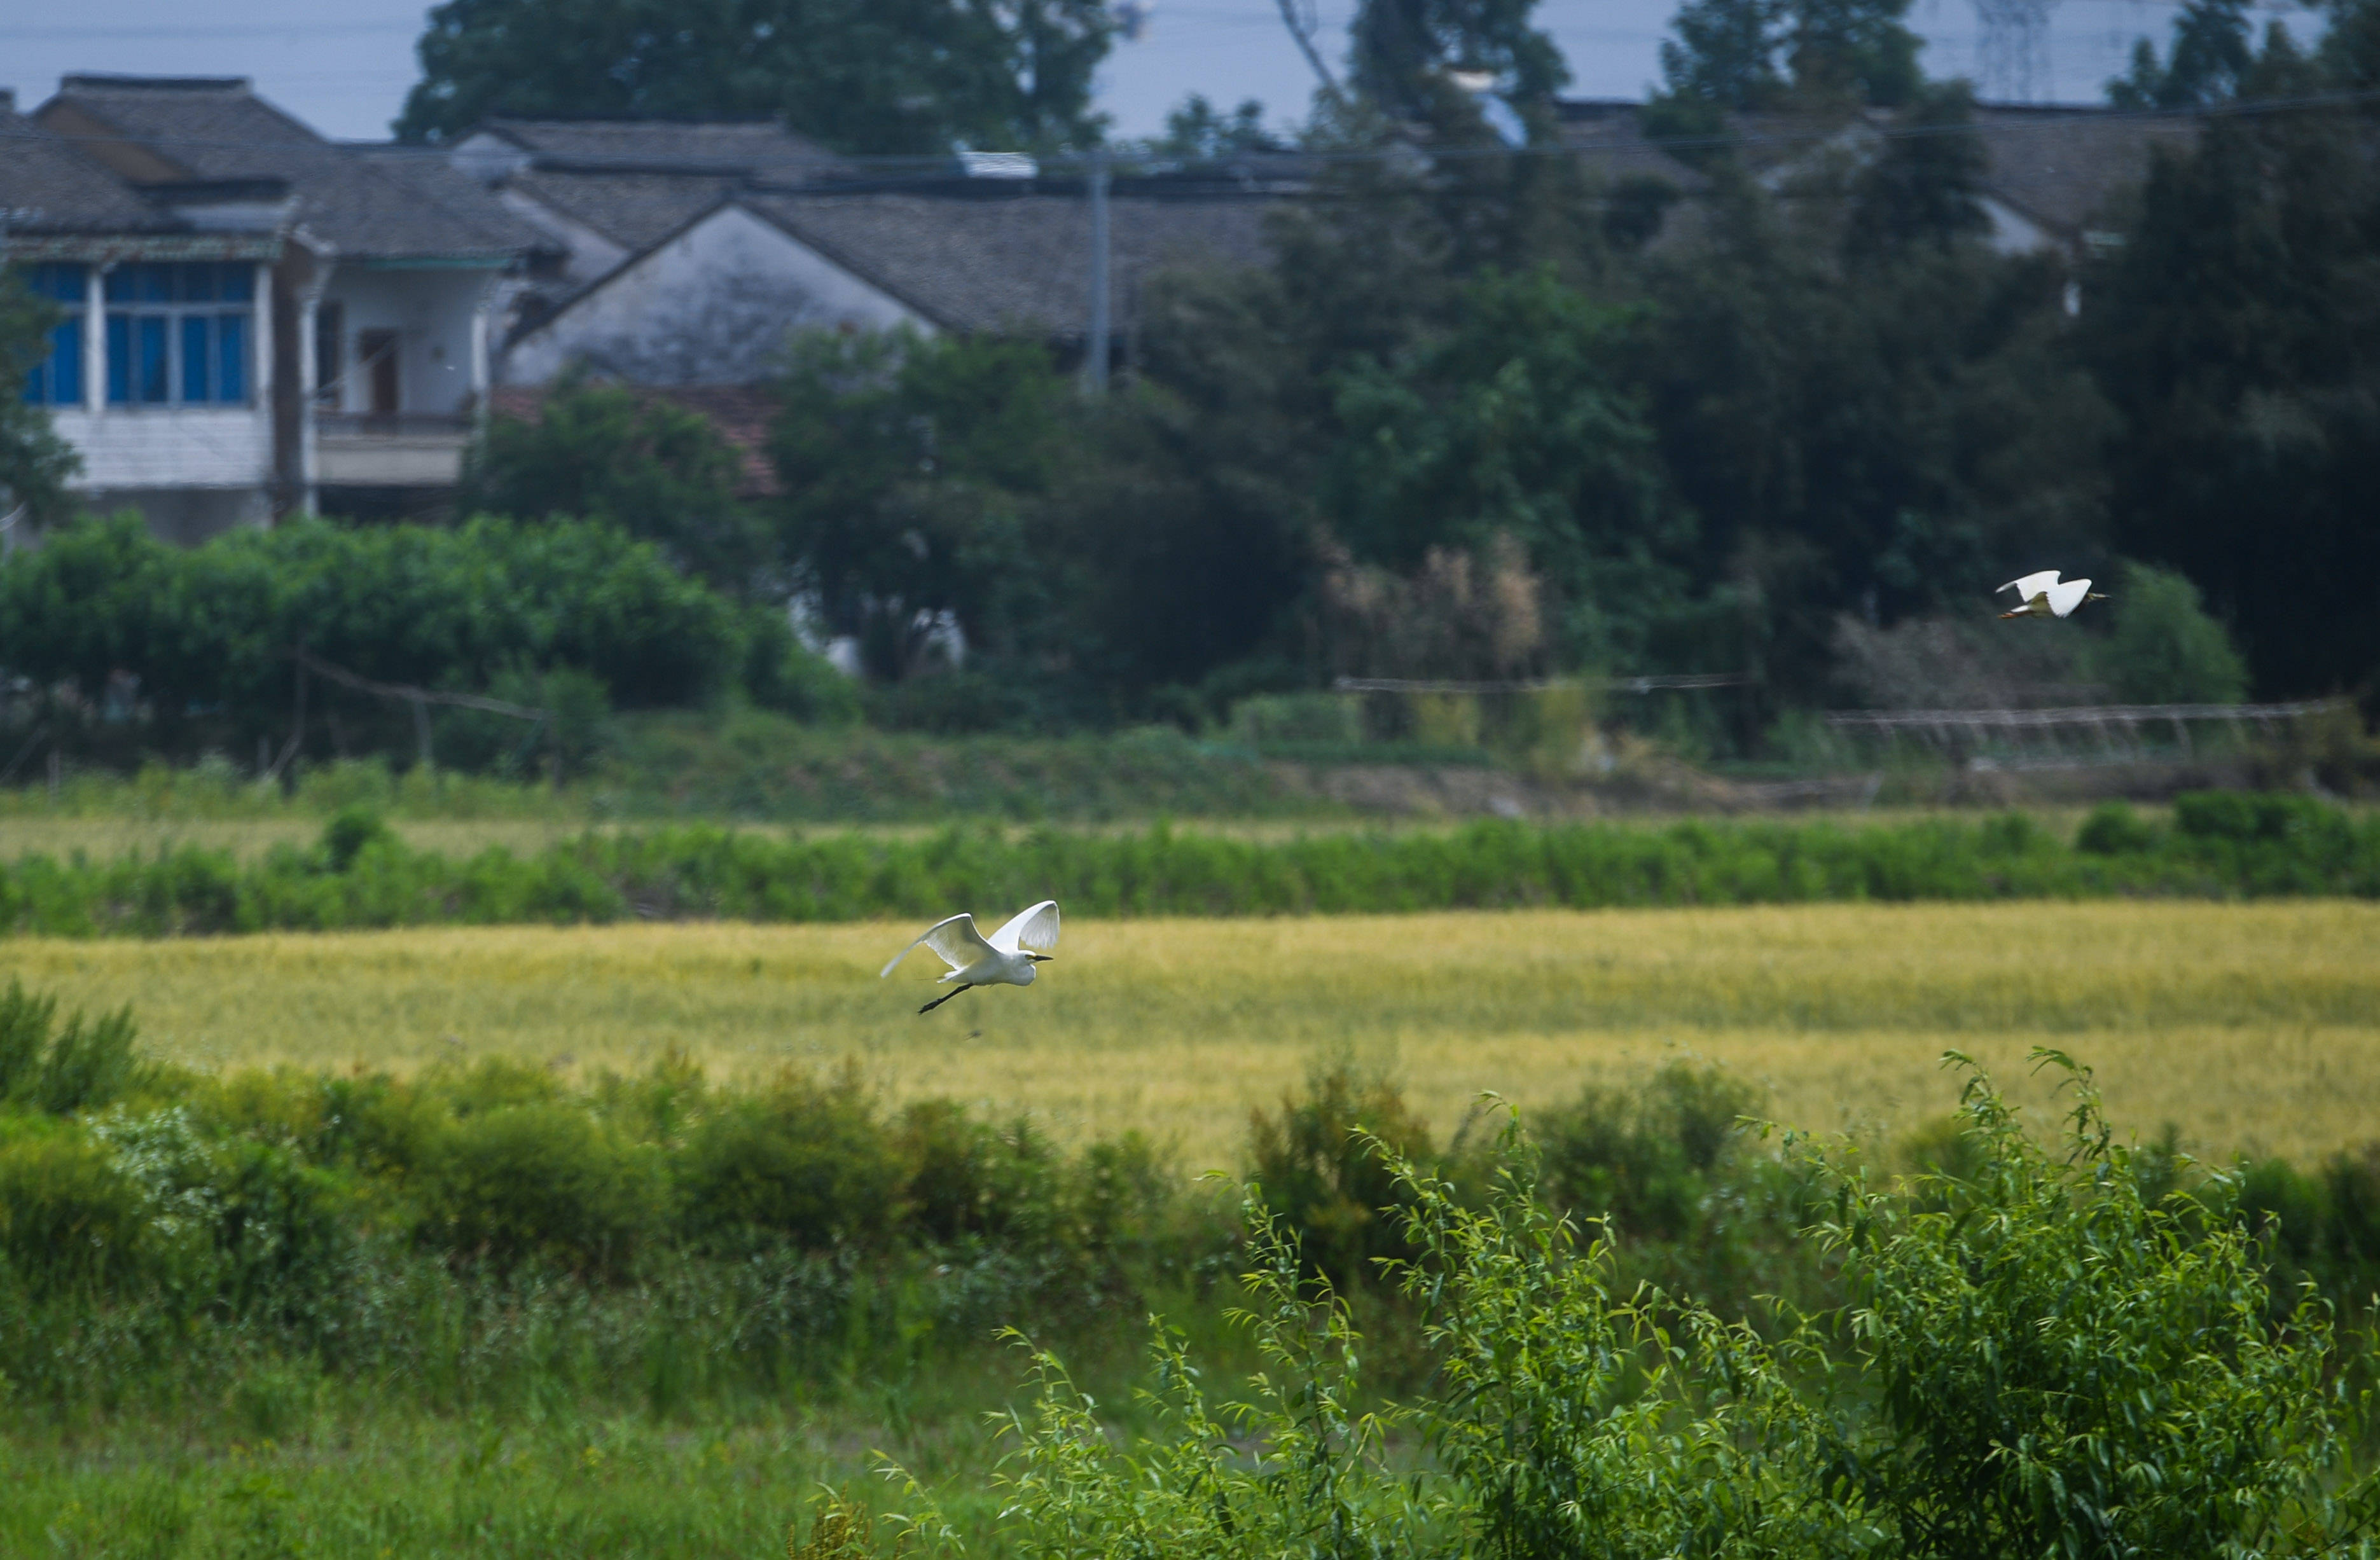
(885, 76)
(600, 452)
(2236, 331)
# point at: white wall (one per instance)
(431, 311)
(712, 306)
(2013, 233)
(171, 446)
(587, 253)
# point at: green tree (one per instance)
(1926, 185)
(1876, 446)
(1402, 53)
(1518, 421)
(912, 466)
(2236, 330)
(2208, 61)
(34, 462)
(2062, 1361)
(2165, 649)
(602, 452)
(898, 75)
(1734, 55)
(1199, 132)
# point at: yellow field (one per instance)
(2249, 1026)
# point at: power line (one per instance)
(226, 30)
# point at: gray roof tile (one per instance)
(368, 202)
(632, 209)
(2066, 167)
(2059, 166)
(762, 148)
(994, 262)
(58, 189)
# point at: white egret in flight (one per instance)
(2043, 595)
(1006, 959)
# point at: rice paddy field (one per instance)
(2248, 1027)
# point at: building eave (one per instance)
(107, 248)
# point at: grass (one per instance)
(356, 1483)
(2249, 1026)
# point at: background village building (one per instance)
(2051, 177)
(260, 321)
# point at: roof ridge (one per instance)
(108, 81)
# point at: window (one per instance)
(56, 380)
(177, 334)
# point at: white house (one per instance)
(259, 320)
(692, 249)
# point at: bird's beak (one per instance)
(1041, 958)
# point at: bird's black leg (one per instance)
(944, 998)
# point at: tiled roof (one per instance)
(366, 202)
(57, 189)
(761, 149)
(1609, 138)
(634, 210)
(1003, 261)
(741, 413)
(2063, 167)
(2059, 166)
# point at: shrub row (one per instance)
(361, 875)
(2047, 1354)
(489, 1229)
(489, 1233)
(209, 631)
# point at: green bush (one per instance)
(2222, 843)
(1324, 1179)
(2063, 1364)
(1646, 1158)
(2165, 647)
(349, 831)
(541, 1182)
(2114, 829)
(2038, 1361)
(806, 1166)
(70, 1217)
(967, 1180)
(80, 1067)
(210, 630)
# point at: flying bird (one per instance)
(1006, 958)
(2043, 595)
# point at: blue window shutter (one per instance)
(196, 383)
(152, 383)
(119, 358)
(231, 354)
(65, 363)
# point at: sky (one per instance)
(345, 68)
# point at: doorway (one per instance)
(376, 350)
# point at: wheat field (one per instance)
(2249, 1027)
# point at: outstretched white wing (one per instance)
(2068, 594)
(1035, 928)
(2027, 586)
(956, 941)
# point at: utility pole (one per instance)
(1094, 342)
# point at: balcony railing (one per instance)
(402, 450)
(393, 425)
